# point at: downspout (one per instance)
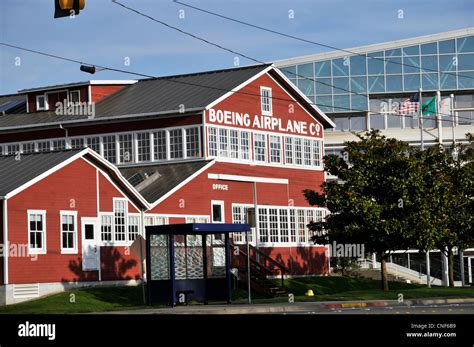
(142, 275)
(66, 131)
(5, 239)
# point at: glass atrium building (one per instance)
(352, 85)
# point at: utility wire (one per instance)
(310, 41)
(238, 53)
(175, 80)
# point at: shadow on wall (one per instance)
(301, 260)
(114, 266)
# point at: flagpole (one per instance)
(439, 117)
(420, 113)
(452, 119)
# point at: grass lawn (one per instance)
(324, 288)
(336, 288)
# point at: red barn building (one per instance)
(203, 147)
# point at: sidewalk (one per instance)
(297, 307)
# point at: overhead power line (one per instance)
(174, 80)
(313, 42)
(236, 52)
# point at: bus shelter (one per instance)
(189, 262)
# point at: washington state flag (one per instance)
(429, 107)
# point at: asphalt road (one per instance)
(422, 309)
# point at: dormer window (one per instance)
(266, 100)
(74, 97)
(41, 103)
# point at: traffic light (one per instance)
(67, 8)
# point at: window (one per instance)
(74, 97)
(275, 149)
(44, 146)
(120, 211)
(159, 143)
(239, 216)
(283, 215)
(316, 150)
(234, 144)
(94, 144)
(37, 232)
(217, 211)
(301, 227)
(77, 143)
(126, 148)
(176, 144)
(59, 145)
(28, 147)
(266, 100)
(273, 221)
(298, 152)
(289, 150)
(143, 147)
(293, 226)
(192, 143)
(110, 152)
(223, 143)
(106, 227)
(260, 146)
(244, 145)
(133, 227)
(41, 103)
(307, 152)
(262, 224)
(212, 134)
(13, 149)
(68, 231)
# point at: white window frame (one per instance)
(78, 92)
(62, 214)
(43, 249)
(262, 101)
(222, 205)
(114, 232)
(137, 218)
(112, 227)
(46, 105)
(280, 155)
(265, 141)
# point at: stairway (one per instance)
(263, 270)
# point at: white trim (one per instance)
(220, 203)
(376, 47)
(80, 84)
(46, 105)
(5, 241)
(240, 86)
(89, 94)
(43, 249)
(239, 178)
(124, 242)
(97, 190)
(74, 250)
(270, 101)
(182, 184)
(78, 91)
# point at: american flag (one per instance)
(410, 105)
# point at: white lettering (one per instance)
(37, 330)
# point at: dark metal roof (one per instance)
(163, 95)
(162, 178)
(14, 173)
(12, 103)
(193, 91)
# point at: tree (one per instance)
(442, 216)
(368, 203)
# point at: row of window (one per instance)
(280, 225)
(72, 97)
(138, 147)
(244, 145)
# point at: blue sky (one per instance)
(106, 34)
